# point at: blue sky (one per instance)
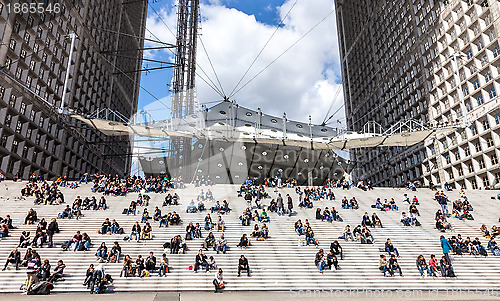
(302, 82)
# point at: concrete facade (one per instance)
(34, 54)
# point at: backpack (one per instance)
(42, 288)
(483, 252)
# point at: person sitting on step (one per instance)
(394, 265)
(147, 231)
(102, 252)
(136, 232)
(201, 261)
(219, 225)
(366, 221)
(331, 260)
(389, 248)
(383, 265)
(376, 221)
(244, 242)
(310, 237)
(209, 241)
(191, 208)
(243, 265)
(221, 244)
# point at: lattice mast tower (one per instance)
(183, 85)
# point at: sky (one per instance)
(301, 81)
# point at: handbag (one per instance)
(221, 285)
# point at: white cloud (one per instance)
(302, 82)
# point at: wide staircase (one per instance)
(280, 263)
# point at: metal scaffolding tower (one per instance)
(183, 85)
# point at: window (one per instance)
(8, 119)
(19, 126)
(466, 91)
(497, 177)
(22, 55)
(15, 145)
(25, 151)
(497, 118)
(22, 110)
(492, 92)
(480, 46)
(30, 21)
(460, 171)
(36, 48)
(457, 155)
(12, 44)
(17, 26)
(473, 130)
(12, 100)
(476, 84)
(467, 151)
(29, 82)
(29, 132)
(481, 164)
(469, 54)
(486, 182)
(480, 100)
(448, 159)
(2, 92)
(486, 124)
(27, 37)
(41, 121)
(490, 142)
(496, 51)
(488, 76)
(477, 146)
(494, 159)
(8, 62)
(3, 141)
(19, 72)
(473, 183)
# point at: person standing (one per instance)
(51, 230)
(290, 205)
(31, 271)
(446, 247)
(279, 204)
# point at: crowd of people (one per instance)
(255, 194)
